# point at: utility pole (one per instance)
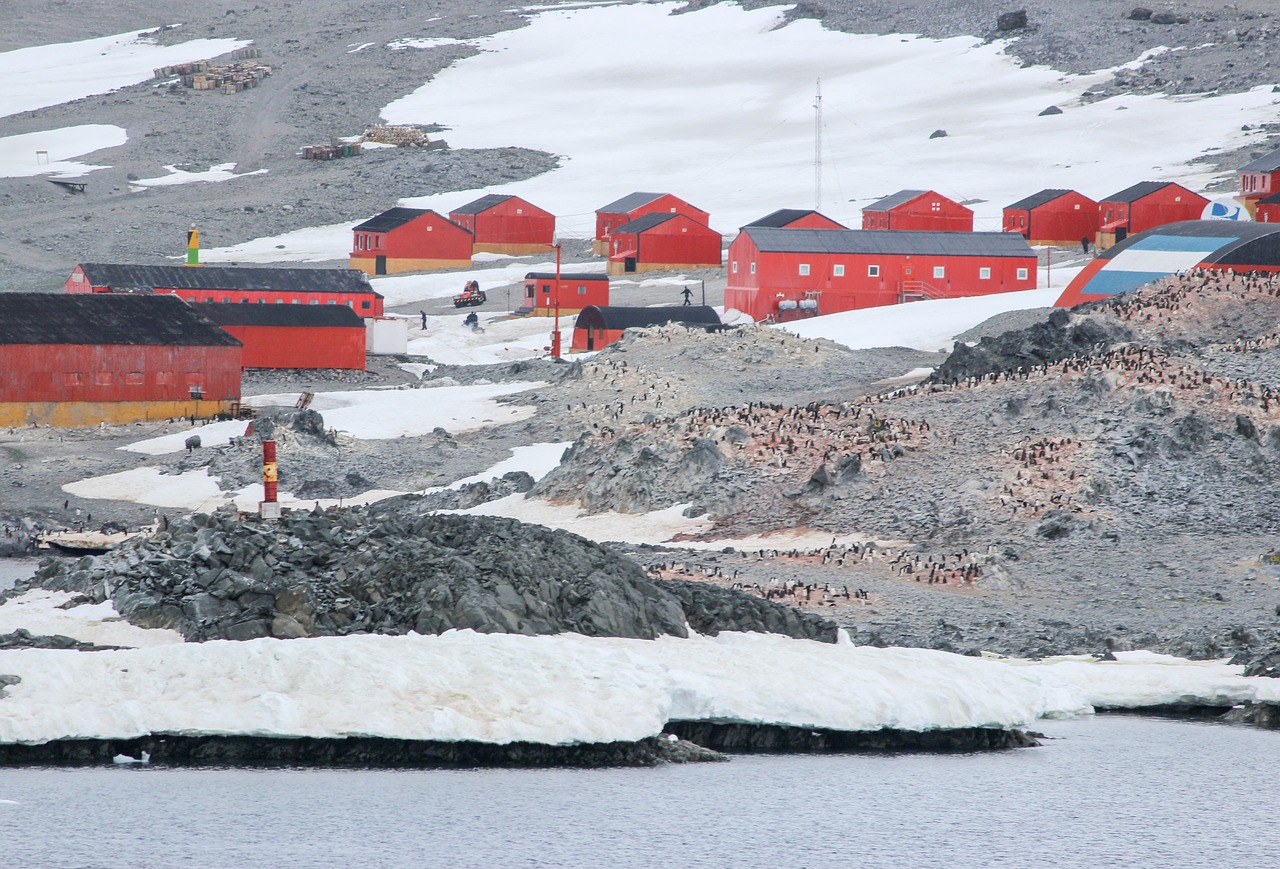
(817, 148)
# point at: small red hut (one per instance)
(797, 218)
(663, 242)
(1259, 179)
(635, 205)
(921, 210)
(292, 336)
(573, 292)
(506, 224)
(1057, 218)
(409, 240)
(597, 327)
(1144, 206)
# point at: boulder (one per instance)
(938, 134)
(1007, 21)
(1140, 13)
(1051, 110)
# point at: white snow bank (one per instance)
(61, 72)
(37, 611)
(220, 172)
(211, 435)
(657, 527)
(537, 460)
(195, 490)
(20, 156)
(503, 339)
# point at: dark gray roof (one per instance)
(567, 276)
(1265, 163)
(646, 222)
(1242, 241)
(629, 203)
(1037, 199)
(484, 203)
(610, 317)
(1273, 199)
(784, 216)
(242, 314)
(1137, 191)
(125, 278)
(894, 199)
(887, 241)
(105, 318)
(392, 218)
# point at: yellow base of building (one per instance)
(83, 414)
(1055, 242)
(397, 266)
(600, 248)
(510, 249)
(551, 312)
(620, 268)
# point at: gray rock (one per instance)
(1007, 21)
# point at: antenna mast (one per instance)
(817, 147)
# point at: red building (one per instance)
(228, 284)
(291, 336)
(663, 242)
(1259, 180)
(1267, 209)
(574, 292)
(409, 240)
(597, 327)
(81, 360)
(1057, 218)
(635, 205)
(506, 224)
(921, 210)
(797, 218)
(1143, 206)
(781, 274)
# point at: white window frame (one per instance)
(753, 268)
(837, 270)
(873, 271)
(804, 270)
(734, 266)
(1023, 274)
(939, 272)
(984, 273)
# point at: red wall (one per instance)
(301, 347)
(116, 372)
(931, 212)
(1258, 185)
(1269, 213)
(597, 293)
(603, 337)
(814, 221)
(679, 240)
(665, 204)
(429, 236)
(777, 276)
(513, 221)
(1155, 209)
(1069, 218)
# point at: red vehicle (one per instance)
(470, 297)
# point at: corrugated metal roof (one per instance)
(1236, 232)
(893, 200)
(784, 216)
(132, 278)
(610, 317)
(629, 203)
(392, 218)
(1137, 191)
(1265, 163)
(1037, 199)
(242, 314)
(645, 222)
(887, 241)
(105, 318)
(484, 203)
(567, 276)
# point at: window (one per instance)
(939, 271)
(753, 268)
(77, 278)
(984, 274)
(73, 378)
(430, 229)
(582, 289)
(315, 301)
(102, 378)
(935, 206)
(1022, 274)
(733, 267)
(279, 301)
(134, 378)
(874, 271)
(519, 211)
(838, 270)
(226, 298)
(1077, 206)
(364, 306)
(804, 269)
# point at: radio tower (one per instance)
(817, 148)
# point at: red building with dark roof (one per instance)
(597, 326)
(1267, 209)
(797, 218)
(635, 205)
(1058, 218)
(1144, 206)
(232, 284)
(663, 242)
(84, 359)
(409, 240)
(918, 210)
(292, 336)
(574, 292)
(506, 224)
(781, 274)
(1259, 179)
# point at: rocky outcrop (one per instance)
(1044, 343)
(769, 738)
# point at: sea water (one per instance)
(1105, 791)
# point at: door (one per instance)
(629, 264)
(1121, 233)
(380, 264)
(591, 339)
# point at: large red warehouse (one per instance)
(780, 274)
(1144, 206)
(598, 326)
(80, 360)
(228, 284)
(1058, 218)
(1259, 179)
(663, 242)
(634, 205)
(797, 218)
(920, 210)
(292, 336)
(506, 224)
(409, 240)
(573, 292)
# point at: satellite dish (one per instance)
(1224, 209)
